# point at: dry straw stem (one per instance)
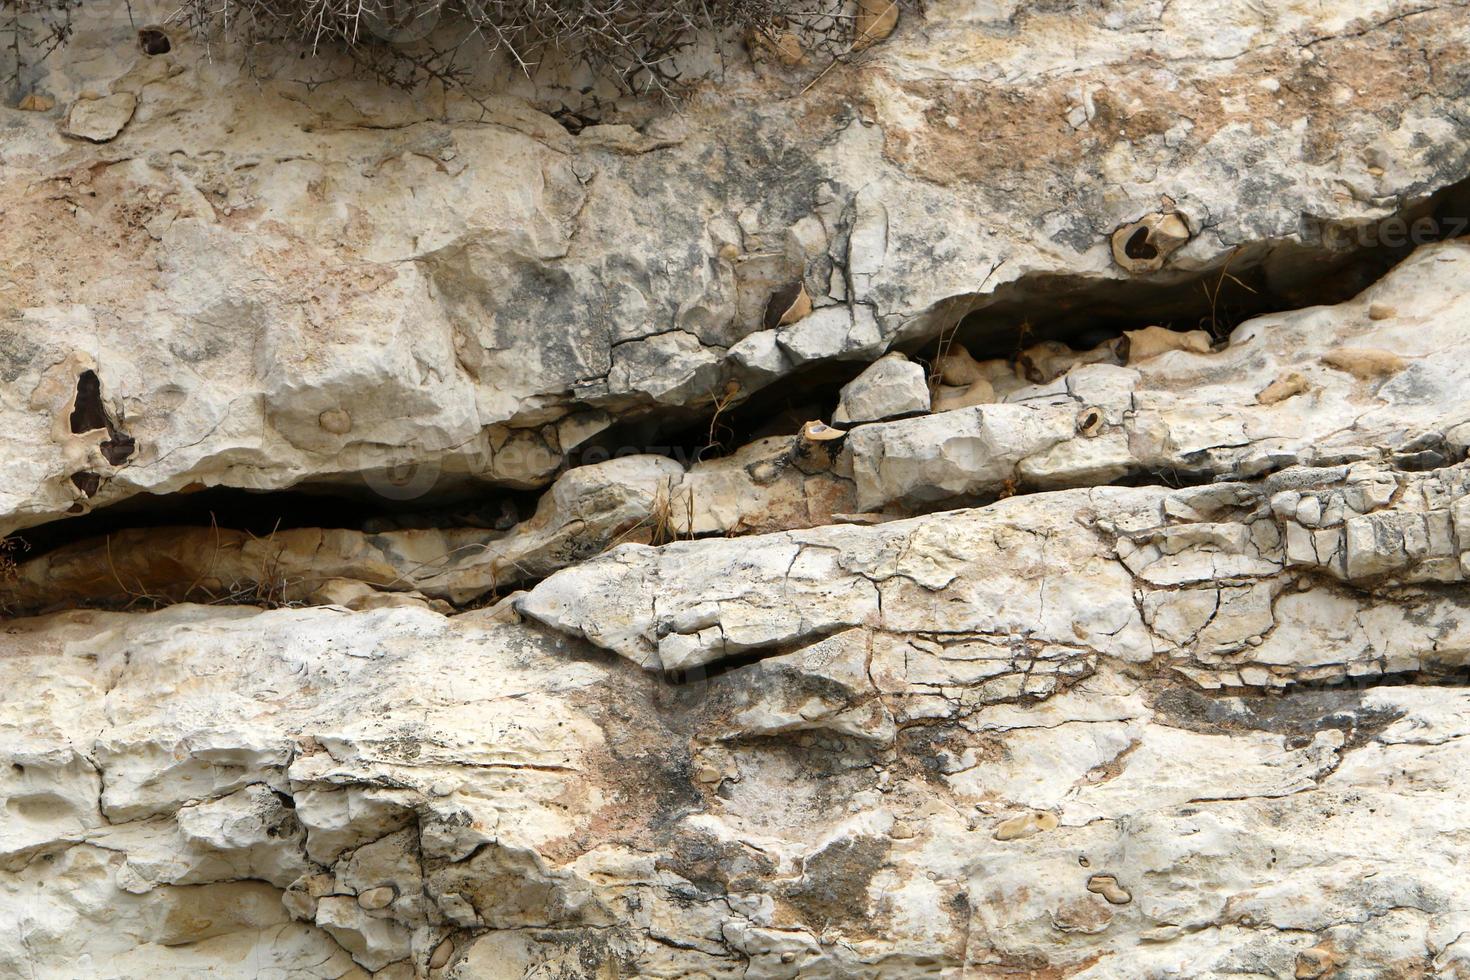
(30, 32)
(1217, 329)
(721, 403)
(661, 526)
(946, 337)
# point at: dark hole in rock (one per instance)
(88, 483)
(779, 303)
(1329, 265)
(781, 409)
(1139, 247)
(573, 121)
(154, 41)
(118, 448)
(89, 414)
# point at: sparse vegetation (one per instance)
(30, 32)
(640, 46)
(9, 548)
(637, 44)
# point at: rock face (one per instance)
(428, 555)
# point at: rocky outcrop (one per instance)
(995, 504)
(357, 299)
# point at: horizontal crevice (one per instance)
(263, 512)
(1078, 311)
(1332, 264)
(1447, 676)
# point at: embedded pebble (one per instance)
(1365, 363)
(1107, 886)
(376, 898)
(1026, 825)
(335, 421)
(441, 954)
(1284, 387)
(1150, 342)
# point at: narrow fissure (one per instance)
(1256, 279)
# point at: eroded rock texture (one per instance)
(994, 507)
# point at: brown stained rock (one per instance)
(1288, 385)
(1365, 363)
(1314, 963)
(1107, 886)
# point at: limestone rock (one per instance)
(99, 120)
(425, 551)
(892, 387)
(381, 261)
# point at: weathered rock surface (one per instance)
(273, 288)
(1175, 686)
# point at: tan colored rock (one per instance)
(1365, 363)
(376, 898)
(947, 399)
(1026, 825)
(1287, 386)
(876, 19)
(99, 120)
(957, 368)
(1107, 886)
(335, 421)
(1150, 342)
(36, 102)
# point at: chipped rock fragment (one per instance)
(892, 387)
(101, 119)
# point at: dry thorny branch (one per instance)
(30, 32)
(638, 45)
